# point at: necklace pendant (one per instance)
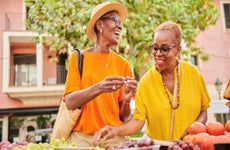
(106, 65)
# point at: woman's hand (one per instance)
(130, 88)
(111, 83)
(105, 133)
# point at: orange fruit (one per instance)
(196, 127)
(199, 137)
(207, 143)
(215, 128)
(227, 126)
(188, 138)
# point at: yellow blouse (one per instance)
(152, 103)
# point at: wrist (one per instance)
(126, 102)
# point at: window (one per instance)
(194, 60)
(226, 14)
(61, 68)
(25, 73)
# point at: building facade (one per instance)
(31, 86)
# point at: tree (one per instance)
(66, 20)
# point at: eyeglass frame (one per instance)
(160, 48)
(115, 19)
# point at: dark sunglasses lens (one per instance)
(155, 48)
(165, 48)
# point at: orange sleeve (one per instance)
(73, 76)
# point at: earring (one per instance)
(100, 30)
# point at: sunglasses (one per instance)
(164, 49)
(116, 20)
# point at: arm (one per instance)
(78, 98)
(130, 127)
(203, 116)
(130, 90)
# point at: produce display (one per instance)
(151, 144)
(200, 137)
(205, 136)
(54, 145)
(133, 144)
(180, 145)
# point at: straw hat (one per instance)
(99, 11)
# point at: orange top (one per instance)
(104, 109)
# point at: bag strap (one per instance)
(80, 61)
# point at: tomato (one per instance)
(196, 127)
(207, 144)
(215, 128)
(189, 138)
(199, 137)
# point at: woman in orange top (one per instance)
(107, 85)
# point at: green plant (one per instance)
(66, 20)
(43, 121)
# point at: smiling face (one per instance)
(165, 61)
(109, 28)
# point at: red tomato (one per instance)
(207, 144)
(215, 128)
(196, 127)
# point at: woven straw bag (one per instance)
(65, 121)
(227, 91)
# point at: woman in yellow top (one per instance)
(107, 85)
(170, 96)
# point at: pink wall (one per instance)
(7, 6)
(50, 69)
(216, 43)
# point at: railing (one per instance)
(26, 76)
(219, 109)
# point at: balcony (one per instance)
(28, 74)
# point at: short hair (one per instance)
(173, 27)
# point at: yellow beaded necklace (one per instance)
(173, 104)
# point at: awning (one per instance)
(29, 111)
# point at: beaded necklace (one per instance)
(174, 104)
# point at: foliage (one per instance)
(43, 121)
(16, 122)
(66, 20)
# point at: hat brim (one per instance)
(122, 12)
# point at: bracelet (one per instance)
(126, 102)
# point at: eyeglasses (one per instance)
(116, 20)
(164, 49)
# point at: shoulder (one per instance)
(190, 70)
(72, 54)
(188, 66)
(119, 58)
(151, 75)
